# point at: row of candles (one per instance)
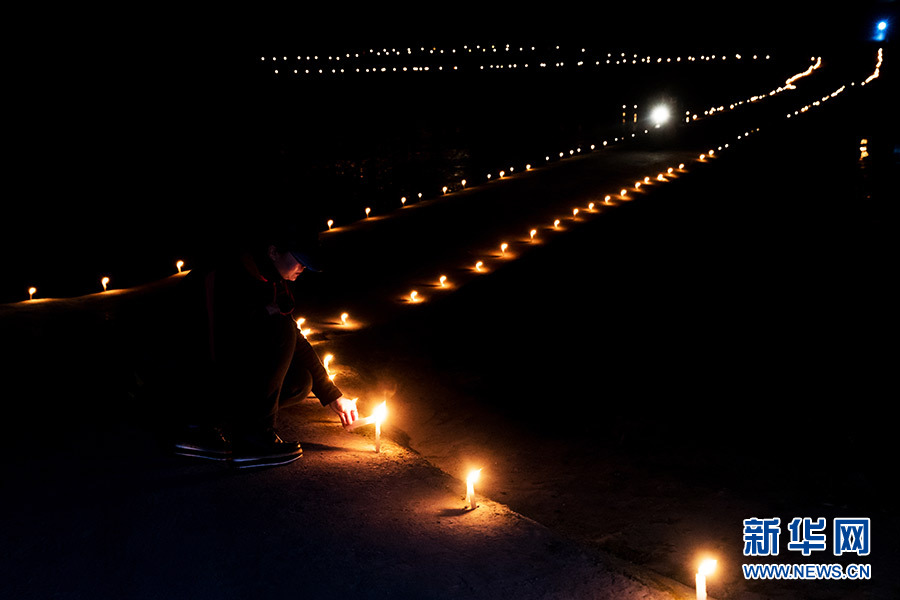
(379, 415)
(414, 296)
(573, 152)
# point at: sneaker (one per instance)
(264, 449)
(203, 442)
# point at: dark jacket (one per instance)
(241, 301)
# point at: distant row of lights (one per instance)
(414, 296)
(788, 85)
(329, 64)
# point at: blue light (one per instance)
(881, 31)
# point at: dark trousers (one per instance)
(258, 374)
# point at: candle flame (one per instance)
(532, 233)
(380, 412)
(31, 292)
(179, 264)
(368, 210)
(325, 361)
(443, 279)
(104, 282)
(413, 296)
(707, 567)
(473, 476)
(503, 247)
(478, 265)
(344, 317)
(330, 223)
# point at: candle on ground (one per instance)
(104, 282)
(31, 292)
(706, 568)
(344, 317)
(379, 414)
(470, 489)
(179, 264)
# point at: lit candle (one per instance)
(104, 282)
(330, 223)
(413, 296)
(31, 292)
(532, 233)
(607, 199)
(591, 207)
(574, 212)
(706, 568)
(470, 489)
(344, 317)
(503, 247)
(478, 266)
(325, 361)
(368, 210)
(179, 264)
(379, 414)
(403, 201)
(556, 224)
(442, 280)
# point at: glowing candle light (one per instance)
(470, 489)
(556, 224)
(368, 210)
(403, 201)
(330, 223)
(325, 361)
(478, 266)
(503, 247)
(607, 199)
(344, 317)
(104, 282)
(622, 192)
(414, 296)
(532, 233)
(443, 280)
(574, 212)
(463, 182)
(179, 264)
(637, 185)
(706, 568)
(591, 207)
(380, 414)
(444, 189)
(31, 292)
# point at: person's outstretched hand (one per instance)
(346, 410)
